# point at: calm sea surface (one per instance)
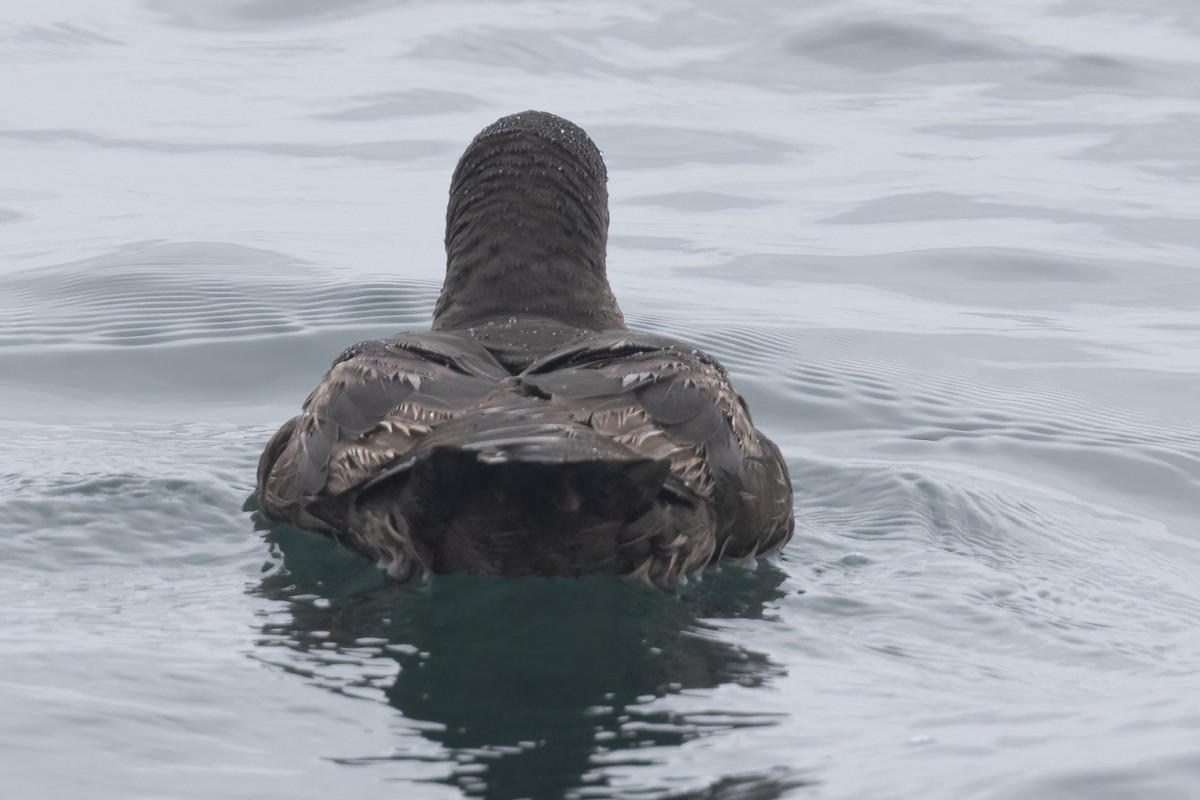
(950, 252)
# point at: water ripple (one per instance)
(171, 294)
(394, 150)
(885, 46)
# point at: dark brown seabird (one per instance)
(530, 432)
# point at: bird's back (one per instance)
(528, 447)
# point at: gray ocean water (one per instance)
(950, 253)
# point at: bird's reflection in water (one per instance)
(536, 687)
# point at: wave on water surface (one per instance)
(162, 294)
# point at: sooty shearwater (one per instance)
(530, 432)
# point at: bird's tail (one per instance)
(524, 493)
